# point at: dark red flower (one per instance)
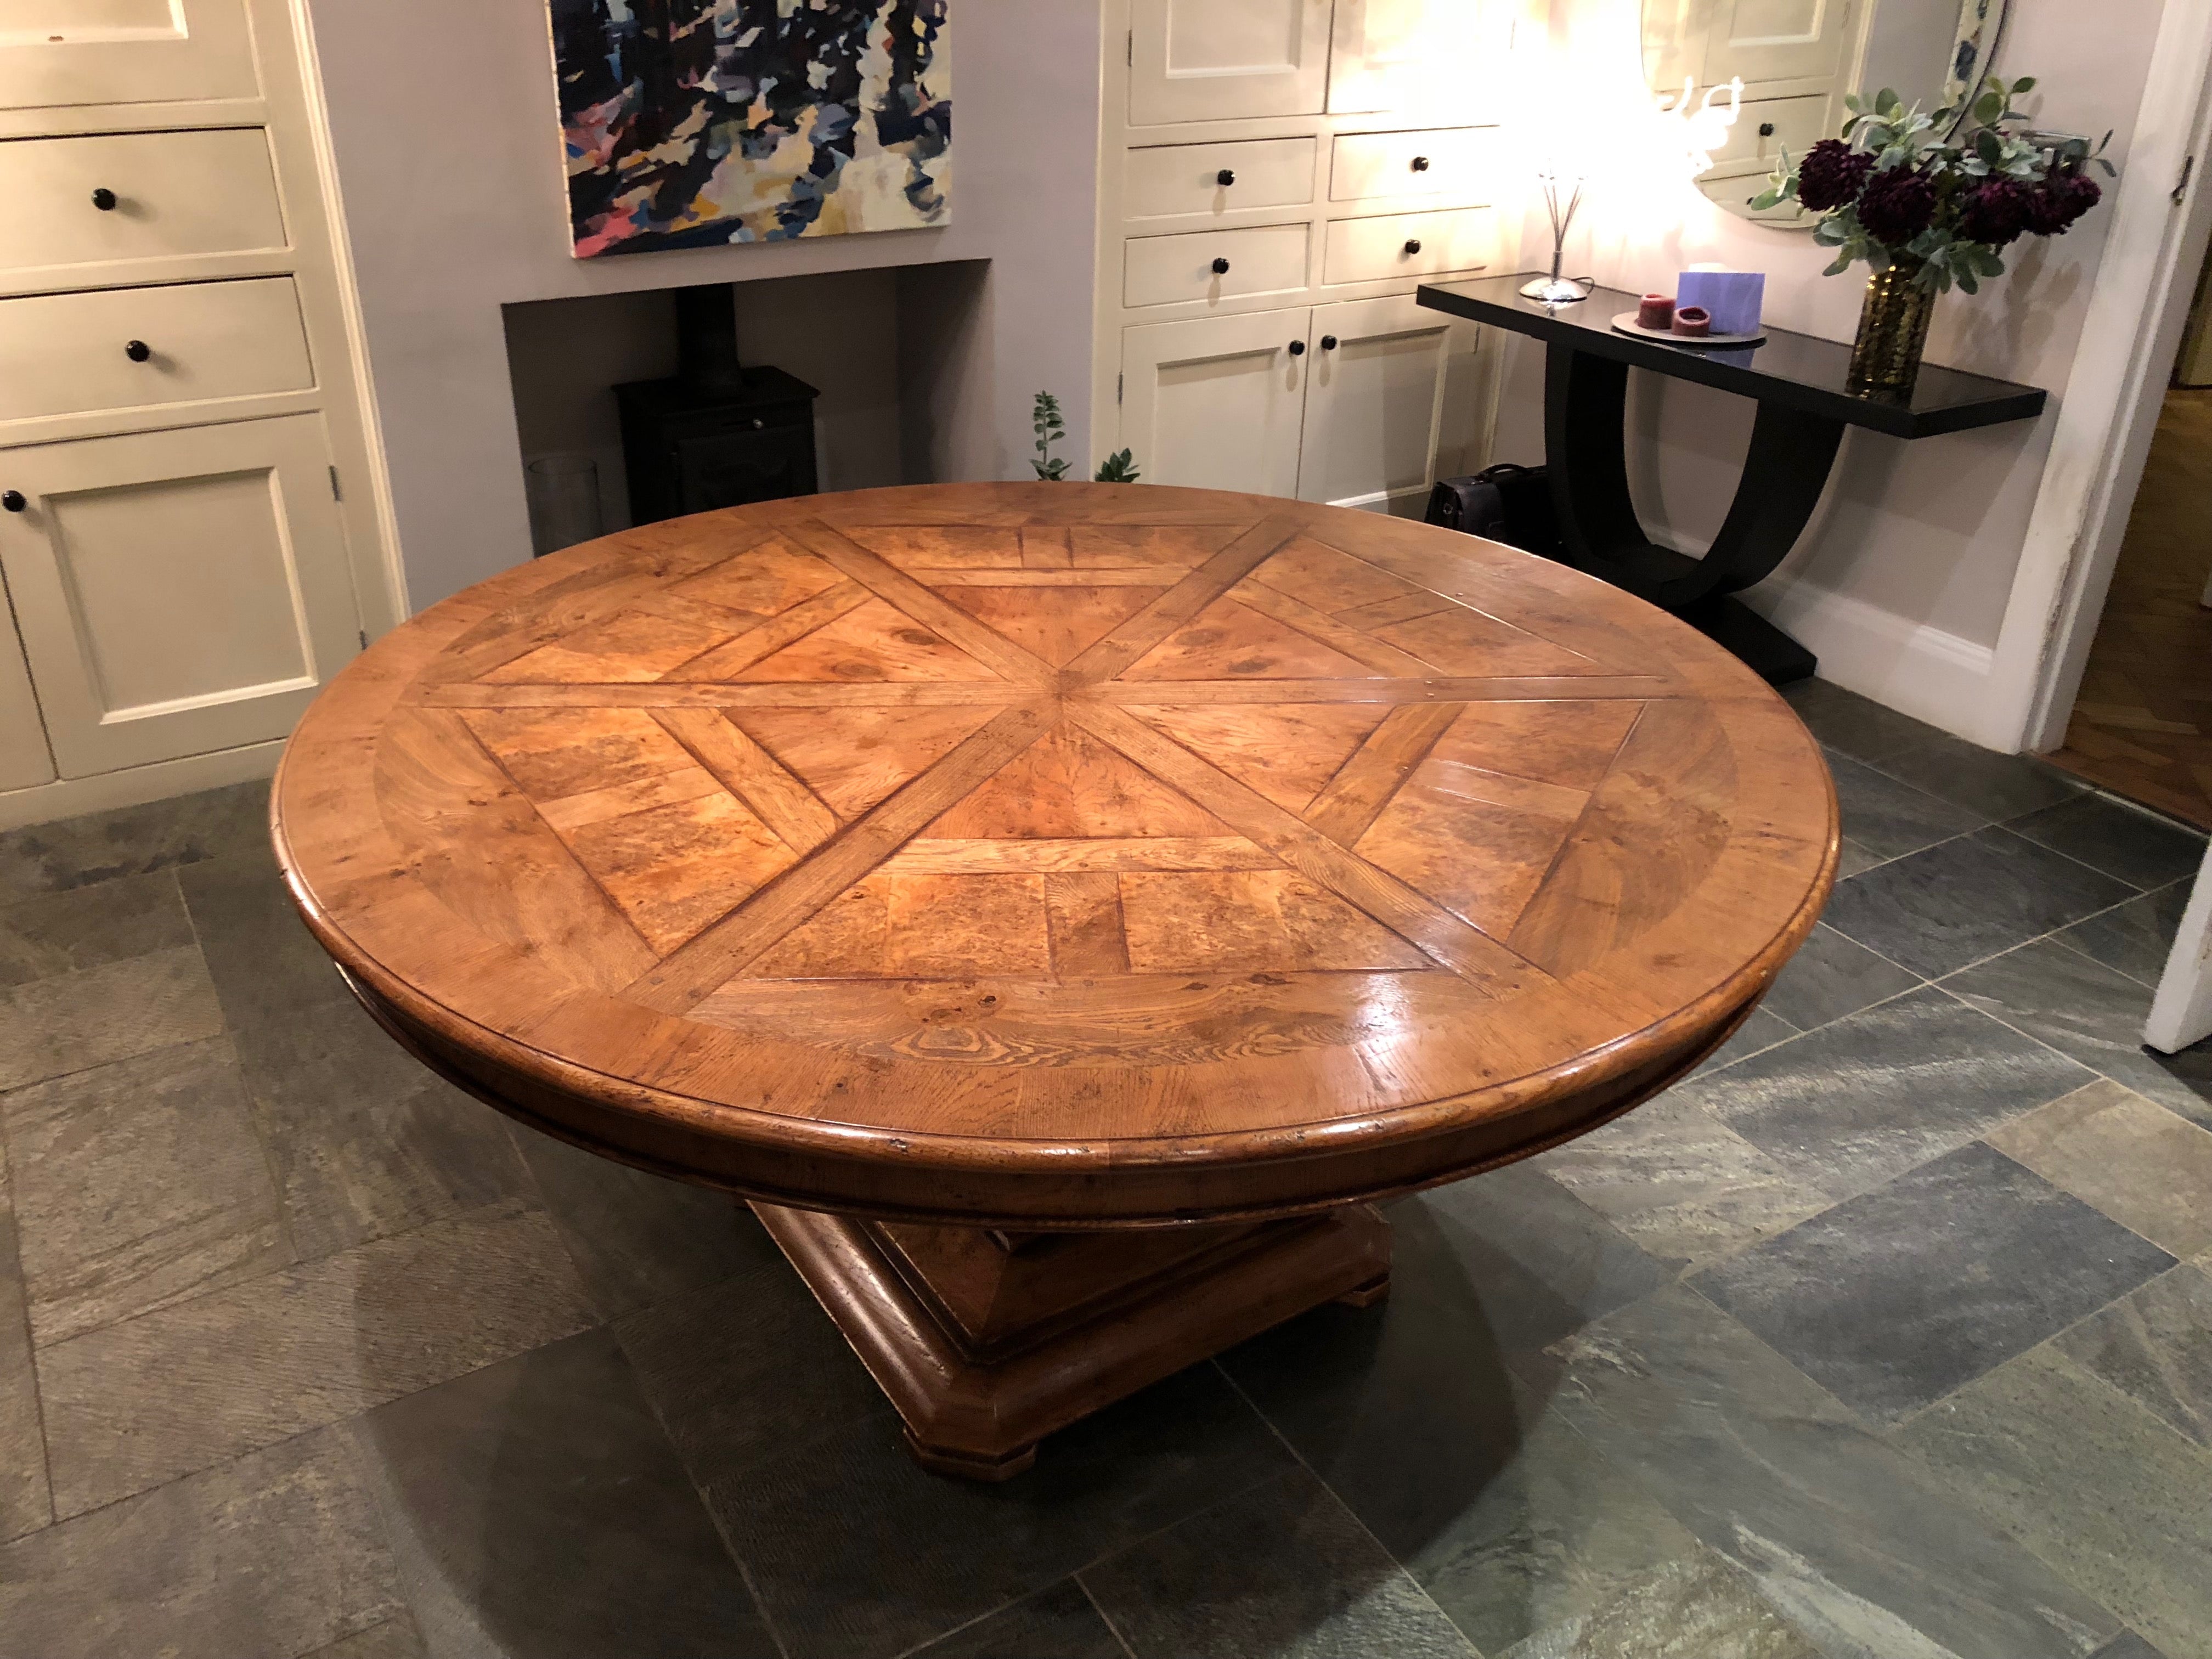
(1896, 205)
(2064, 198)
(1831, 174)
(1995, 212)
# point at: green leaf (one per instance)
(1837, 269)
(1887, 101)
(2025, 84)
(1120, 467)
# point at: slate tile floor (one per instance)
(1889, 1336)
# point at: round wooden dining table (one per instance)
(1060, 909)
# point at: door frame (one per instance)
(2109, 407)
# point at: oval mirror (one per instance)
(1798, 59)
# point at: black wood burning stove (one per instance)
(718, 434)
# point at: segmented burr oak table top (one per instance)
(1055, 854)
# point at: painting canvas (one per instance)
(692, 122)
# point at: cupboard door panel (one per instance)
(1373, 403)
(179, 591)
(1216, 403)
(175, 195)
(1414, 56)
(59, 52)
(23, 757)
(1797, 45)
(1218, 60)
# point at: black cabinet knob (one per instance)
(1766, 129)
(1221, 267)
(138, 351)
(1413, 245)
(1224, 178)
(1420, 164)
(1329, 342)
(14, 501)
(104, 199)
(1298, 348)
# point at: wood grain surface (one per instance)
(1056, 856)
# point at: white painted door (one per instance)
(1374, 403)
(59, 52)
(2181, 1012)
(1217, 60)
(1216, 403)
(1779, 45)
(177, 591)
(1413, 56)
(23, 757)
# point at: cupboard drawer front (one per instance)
(171, 195)
(1445, 162)
(1171, 180)
(1410, 245)
(68, 353)
(59, 52)
(1163, 269)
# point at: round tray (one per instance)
(1626, 324)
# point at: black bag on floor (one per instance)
(1503, 503)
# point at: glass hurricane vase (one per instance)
(1892, 331)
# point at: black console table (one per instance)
(1799, 383)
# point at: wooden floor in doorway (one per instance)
(2142, 727)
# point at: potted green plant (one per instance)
(1046, 420)
(1928, 200)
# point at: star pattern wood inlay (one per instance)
(1066, 826)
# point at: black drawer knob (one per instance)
(1329, 342)
(104, 199)
(14, 501)
(1420, 164)
(138, 351)
(1766, 129)
(1298, 348)
(1221, 267)
(1413, 245)
(1224, 178)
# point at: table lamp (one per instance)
(1563, 194)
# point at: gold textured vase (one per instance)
(1892, 331)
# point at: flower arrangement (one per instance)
(1930, 200)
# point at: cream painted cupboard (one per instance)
(189, 542)
(1277, 177)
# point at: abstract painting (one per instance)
(692, 122)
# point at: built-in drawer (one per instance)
(1168, 180)
(124, 199)
(1764, 126)
(1410, 245)
(1214, 264)
(69, 353)
(1441, 161)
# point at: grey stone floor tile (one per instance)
(1938, 910)
(395, 1638)
(1856, 725)
(1895, 1299)
(2155, 1347)
(2111, 1498)
(640, 1239)
(48, 858)
(72, 1022)
(857, 1553)
(1885, 818)
(1700, 1607)
(131, 1404)
(1761, 1031)
(25, 1503)
(2128, 1645)
(747, 1370)
(1681, 1183)
(1059, 1623)
(2137, 937)
(1283, 1571)
(1849, 1539)
(265, 964)
(2138, 845)
(1832, 976)
(2146, 1167)
(363, 1140)
(1999, 787)
(1845, 1108)
(85, 927)
(2094, 1013)
(275, 1555)
(536, 1509)
(137, 1184)
(1853, 858)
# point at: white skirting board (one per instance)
(135, 786)
(1909, 666)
